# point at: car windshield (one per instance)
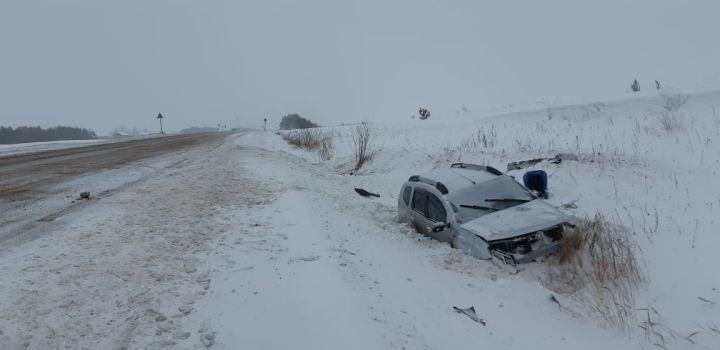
(499, 193)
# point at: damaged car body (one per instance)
(482, 212)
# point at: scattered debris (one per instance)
(559, 158)
(364, 193)
(470, 312)
(524, 163)
(566, 156)
(570, 205)
(707, 301)
(85, 195)
(504, 262)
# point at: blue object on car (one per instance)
(536, 180)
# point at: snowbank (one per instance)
(649, 165)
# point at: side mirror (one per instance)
(439, 226)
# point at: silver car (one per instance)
(482, 212)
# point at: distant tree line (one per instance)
(21, 134)
(295, 121)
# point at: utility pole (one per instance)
(160, 118)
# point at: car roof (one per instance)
(457, 179)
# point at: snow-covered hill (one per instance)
(649, 165)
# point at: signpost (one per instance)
(160, 118)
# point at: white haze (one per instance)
(105, 64)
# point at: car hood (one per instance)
(521, 219)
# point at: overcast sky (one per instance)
(104, 64)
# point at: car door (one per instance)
(428, 210)
(436, 213)
(418, 211)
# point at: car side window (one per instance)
(406, 195)
(419, 202)
(436, 210)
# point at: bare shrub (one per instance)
(528, 146)
(448, 154)
(483, 140)
(669, 121)
(488, 139)
(312, 140)
(592, 111)
(599, 264)
(672, 103)
(306, 138)
(327, 148)
(668, 118)
(361, 140)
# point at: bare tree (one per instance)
(361, 140)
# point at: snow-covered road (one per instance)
(123, 270)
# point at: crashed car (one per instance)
(483, 212)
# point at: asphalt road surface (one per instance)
(21, 174)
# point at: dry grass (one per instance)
(669, 121)
(571, 248)
(672, 103)
(313, 140)
(327, 148)
(600, 264)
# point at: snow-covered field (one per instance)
(42, 146)
(30, 147)
(258, 245)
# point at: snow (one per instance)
(327, 279)
(256, 244)
(520, 219)
(29, 147)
